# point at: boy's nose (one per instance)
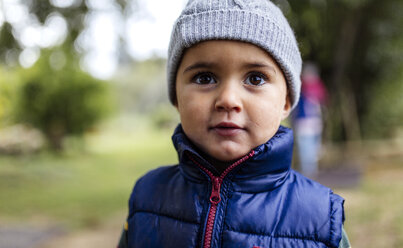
(228, 97)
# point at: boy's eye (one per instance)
(204, 78)
(256, 79)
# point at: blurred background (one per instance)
(84, 112)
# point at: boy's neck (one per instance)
(219, 165)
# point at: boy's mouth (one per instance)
(227, 129)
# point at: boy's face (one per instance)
(231, 97)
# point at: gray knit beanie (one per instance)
(258, 22)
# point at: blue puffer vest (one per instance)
(257, 202)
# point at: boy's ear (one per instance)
(176, 105)
(287, 107)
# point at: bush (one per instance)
(8, 88)
(60, 102)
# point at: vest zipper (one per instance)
(215, 197)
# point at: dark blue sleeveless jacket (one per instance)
(258, 202)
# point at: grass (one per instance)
(374, 216)
(84, 189)
(80, 189)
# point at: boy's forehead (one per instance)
(224, 54)
(222, 46)
(212, 52)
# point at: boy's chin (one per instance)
(228, 156)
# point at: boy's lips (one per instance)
(227, 129)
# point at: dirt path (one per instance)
(44, 235)
(25, 236)
(105, 236)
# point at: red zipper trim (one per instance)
(215, 197)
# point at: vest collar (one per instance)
(266, 169)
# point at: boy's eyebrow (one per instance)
(260, 65)
(208, 65)
(199, 65)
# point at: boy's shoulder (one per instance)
(164, 191)
(313, 204)
(154, 181)
(297, 176)
(307, 186)
(316, 199)
(157, 176)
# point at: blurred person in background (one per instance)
(307, 119)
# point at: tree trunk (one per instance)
(340, 81)
(55, 136)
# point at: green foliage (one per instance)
(40, 10)
(8, 44)
(8, 89)
(358, 44)
(60, 102)
(386, 109)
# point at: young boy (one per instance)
(234, 75)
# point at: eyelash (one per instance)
(209, 74)
(199, 75)
(259, 74)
